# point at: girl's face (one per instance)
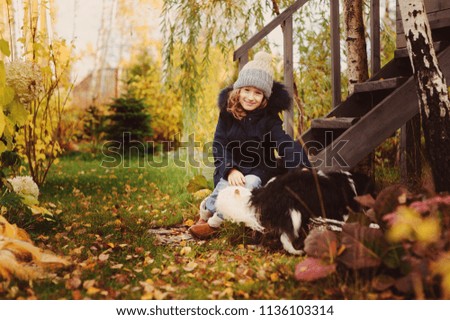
(250, 98)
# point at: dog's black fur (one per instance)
(297, 193)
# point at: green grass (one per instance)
(104, 219)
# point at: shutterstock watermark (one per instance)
(131, 153)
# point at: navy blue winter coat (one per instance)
(249, 144)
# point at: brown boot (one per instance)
(202, 231)
(200, 221)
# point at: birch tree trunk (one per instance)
(356, 43)
(431, 89)
(357, 64)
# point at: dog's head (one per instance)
(233, 203)
(232, 199)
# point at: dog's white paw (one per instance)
(298, 252)
(287, 245)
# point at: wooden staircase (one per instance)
(376, 109)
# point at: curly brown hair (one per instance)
(234, 106)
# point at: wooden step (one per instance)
(382, 84)
(377, 125)
(333, 123)
(438, 47)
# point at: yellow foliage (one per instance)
(2, 123)
(163, 100)
(428, 231)
(201, 194)
(8, 230)
(40, 120)
(20, 258)
(410, 225)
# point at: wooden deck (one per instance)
(438, 12)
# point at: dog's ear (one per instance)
(237, 193)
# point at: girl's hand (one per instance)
(236, 178)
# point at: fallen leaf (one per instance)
(103, 257)
(148, 260)
(92, 291)
(201, 194)
(228, 292)
(147, 296)
(88, 284)
(139, 250)
(274, 277)
(169, 270)
(156, 271)
(121, 278)
(197, 183)
(312, 269)
(73, 283)
(185, 251)
(261, 274)
(189, 222)
(160, 295)
(76, 295)
(190, 266)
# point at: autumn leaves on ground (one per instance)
(120, 233)
(104, 221)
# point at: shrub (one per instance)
(408, 254)
(129, 122)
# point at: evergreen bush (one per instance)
(128, 123)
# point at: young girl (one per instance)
(248, 132)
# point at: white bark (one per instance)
(415, 25)
(431, 89)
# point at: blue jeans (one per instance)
(251, 182)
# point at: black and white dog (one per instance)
(288, 202)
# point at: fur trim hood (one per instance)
(279, 100)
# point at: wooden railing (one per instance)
(286, 22)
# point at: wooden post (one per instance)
(375, 63)
(335, 54)
(243, 60)
(288, 72)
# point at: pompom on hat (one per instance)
(257, 73)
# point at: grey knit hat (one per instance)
(257, 73)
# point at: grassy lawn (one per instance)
(105, 217)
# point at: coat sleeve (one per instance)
(223, 160)
(289, 150)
